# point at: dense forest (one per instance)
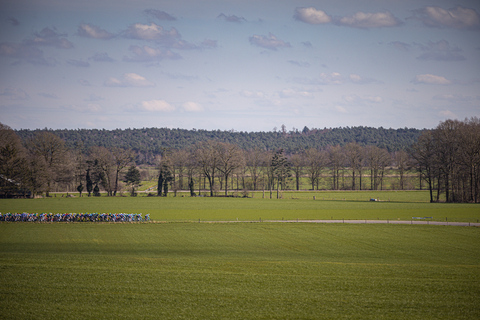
(149, 142)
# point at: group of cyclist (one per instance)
(73, 217)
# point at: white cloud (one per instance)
(156, 106)
(192, 107)
(370, 20)
(184, 45)
(231, 18)
(92, 107)
(252, 94)
(430, 79)
(458, 17)
(353, 98)
(25, 53)
(208, 43)
(332, 78)
(376, 99)
(311, 15)
(85, 83)
(452, 97)
(160, 15)
(129, 80)
(148, 54)
(322, 79)
(298, 93)
(269, 42)
(178, 76)
(448, 114)
(152, 32)
(440, 51)
(48, 95)
(101, 57)
(78, 63)
(12, 93)
(402, 46)
(299, 63)
(49, 37)
(88, 108)
(341, 109)
(91, 31)
(355, 78)
(94, 97)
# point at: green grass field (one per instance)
(238, 271)
(294, 205)
(183, 269)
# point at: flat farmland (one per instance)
(238, 271)
(182, 269)
(294, 205)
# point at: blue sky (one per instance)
(242, 65)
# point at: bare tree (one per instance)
(337, 162)
(447, 144)
(297, 164)
(122, 158)
(268, 172)
(315, 162)
(180, 161)
(207, 159)
(354, 156)
(12, 160)
(402, 161)
(423, 153)
(104, 167)
(469, 155)
(52, 150)
(230, 157)
(35, 175)
(377, 160)
(254, 165)
(449, 159)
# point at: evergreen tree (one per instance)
(165, 176)
(160, 184)
(191, 185)
(96, 191)
(89, 182)
(132, 178)
(281, 170)
(80, 189)
(165, 187)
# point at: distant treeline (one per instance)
(447, 158)
(148, 142)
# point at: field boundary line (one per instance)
(343, 221)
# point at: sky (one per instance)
(239, 65)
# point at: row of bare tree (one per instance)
(216, 162)
(40, 163)
(448, 158)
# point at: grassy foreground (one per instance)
(238, 271)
